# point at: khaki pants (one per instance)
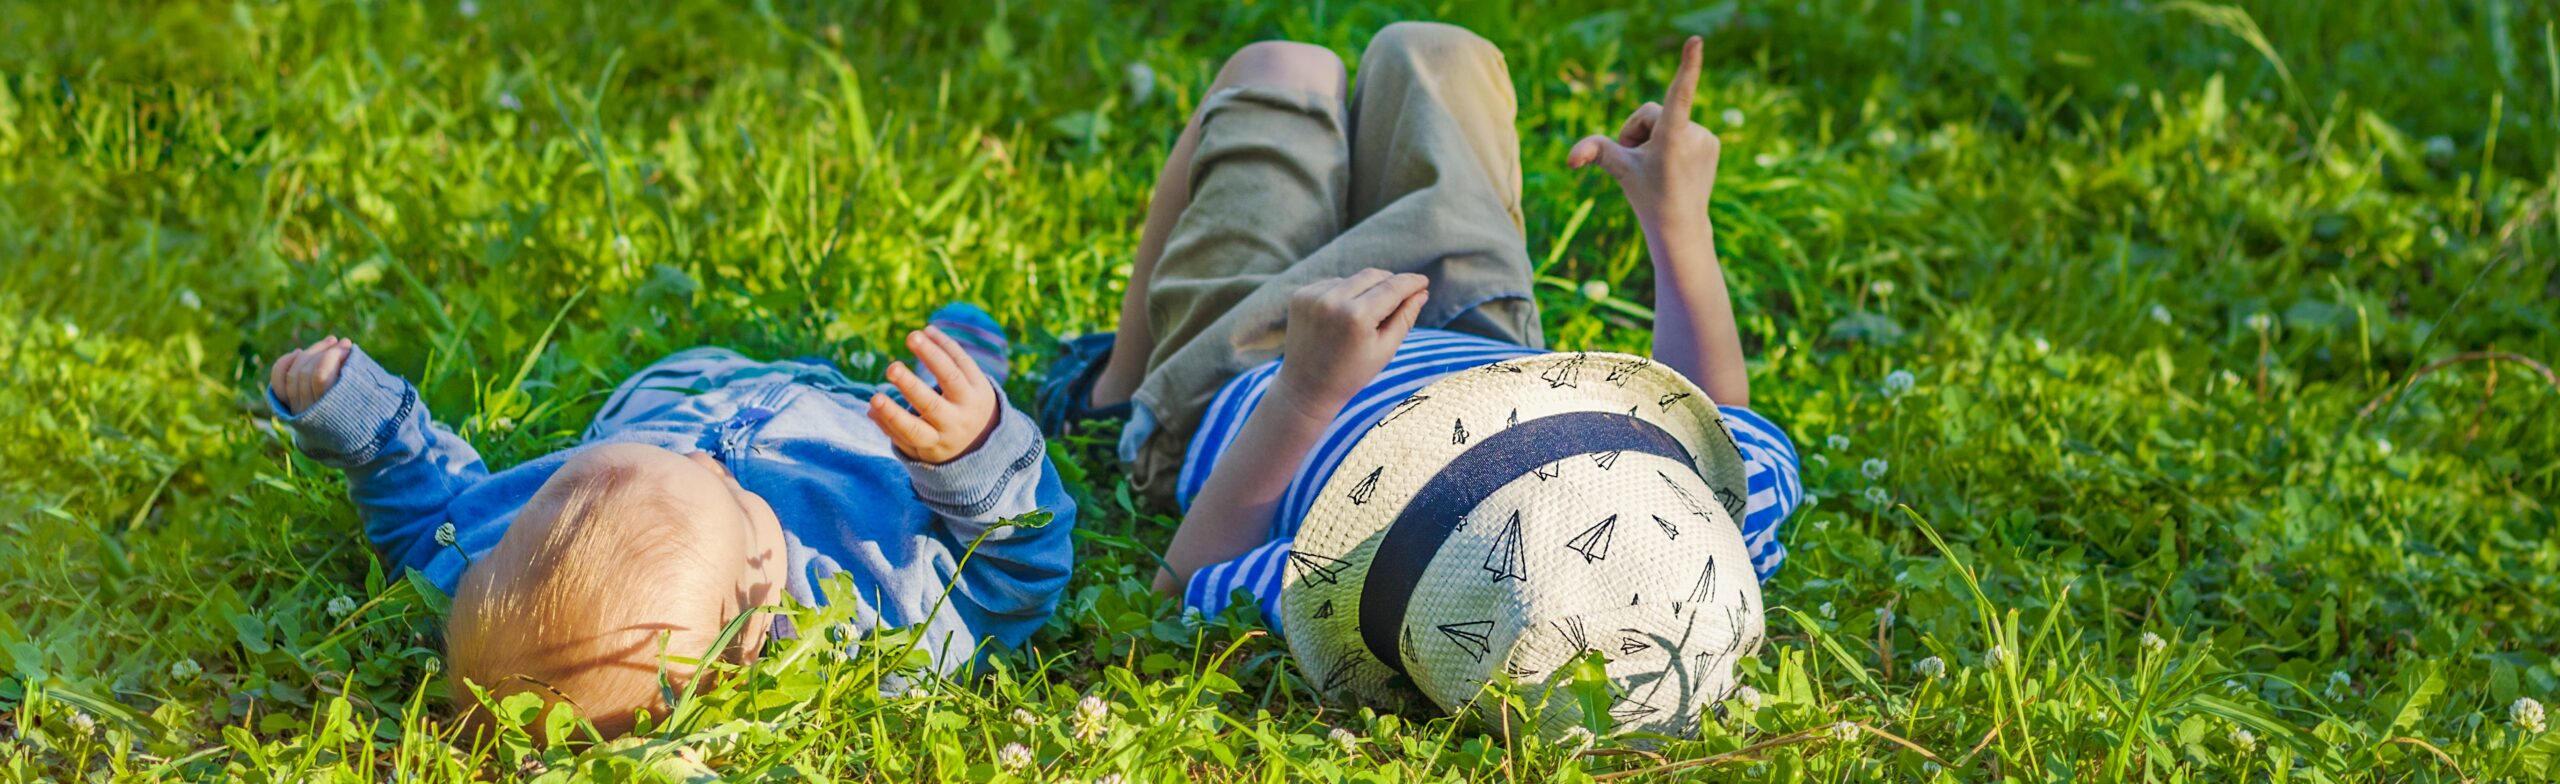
(1420, 174)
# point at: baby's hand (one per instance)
(948, 423)
(301, 377)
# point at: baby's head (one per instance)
(630, 553)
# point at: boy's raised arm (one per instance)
(1666, 165)
(403, 469)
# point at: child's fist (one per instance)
(301, 377)
(1342, 331)
(947, 423)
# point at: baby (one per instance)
(709, 486)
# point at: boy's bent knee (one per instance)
(1287, 65)
(1425, 41)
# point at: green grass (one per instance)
(2160, 271)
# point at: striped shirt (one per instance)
(1769, 460)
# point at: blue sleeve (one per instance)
(1257, 573)
(402, 468)
(1012, 582)
(1770, 470)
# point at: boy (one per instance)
(1268, 338)
(708, 486)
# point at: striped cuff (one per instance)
(979, 335)
(1257, 573)
(1771, 478)
(352, 421)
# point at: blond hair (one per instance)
(599, 577)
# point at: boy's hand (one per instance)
(947, 423)
(1665, 163)
(1342, 331)
(301, 377)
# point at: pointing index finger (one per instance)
(1684, 84)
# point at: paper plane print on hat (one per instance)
(1473, 638)
(1567, 373)
(1625, 370)
(1367, 488)
(1669, 399)
(1316, 569)
(1632, 709)
(1574, 634)
(1593, 542)
(1400, 410)
(1503, 559)
(1607, 460)
(1706, 587)
(1549, 471)
(1634, 643)
(1688, 500)
(1459, 434)
(1733, 504)
(1669, 531)
(1513, 420)
(1325, 610)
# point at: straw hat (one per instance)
(1506, 519)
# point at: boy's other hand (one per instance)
(947, 423)
(1342, 331)
(1665, 163)
(300, 378)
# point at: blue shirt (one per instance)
(1768, 457)
(795, 433)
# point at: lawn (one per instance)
(2169, 374)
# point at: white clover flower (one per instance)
(2439, 146)
(1931, 668)
(2527, 715)
(1884, 137)
(1111, 778)
(1993, 657)
(2230, 379)
(1837, 441)
(2153, 643)
(622, 245)
(1846, 730)
(508, 102)
(187, 298)
(70, 330)
(1024, 718)
(1823, 524)
(1828, 611)
(1092, 718)
(1877, 496)
(1811, 500)
(468, 8)
(1764, 160)
(2098, 716)
(444, 535)
(1881, 288)
(2243, 739)
(2160, 314)
(2260, 322)
(1898, 382)
(1577, 738)
(1595, 289)
(1193, 619)
(1749, 697)
(1732, 118)
(81, 721)
(1142, 82)
(2043, 347)
(434, 665)
(1349, 743)
(503, 423)
(185, 670)
(342, 605)
(1929, 768)
(2339, 683)
(1874, 468)
(1014, 757)
(2233, 685)
(2383, 446)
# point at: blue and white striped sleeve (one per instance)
(1257, 572)
(1770, 472)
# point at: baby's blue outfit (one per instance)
(795, 432)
